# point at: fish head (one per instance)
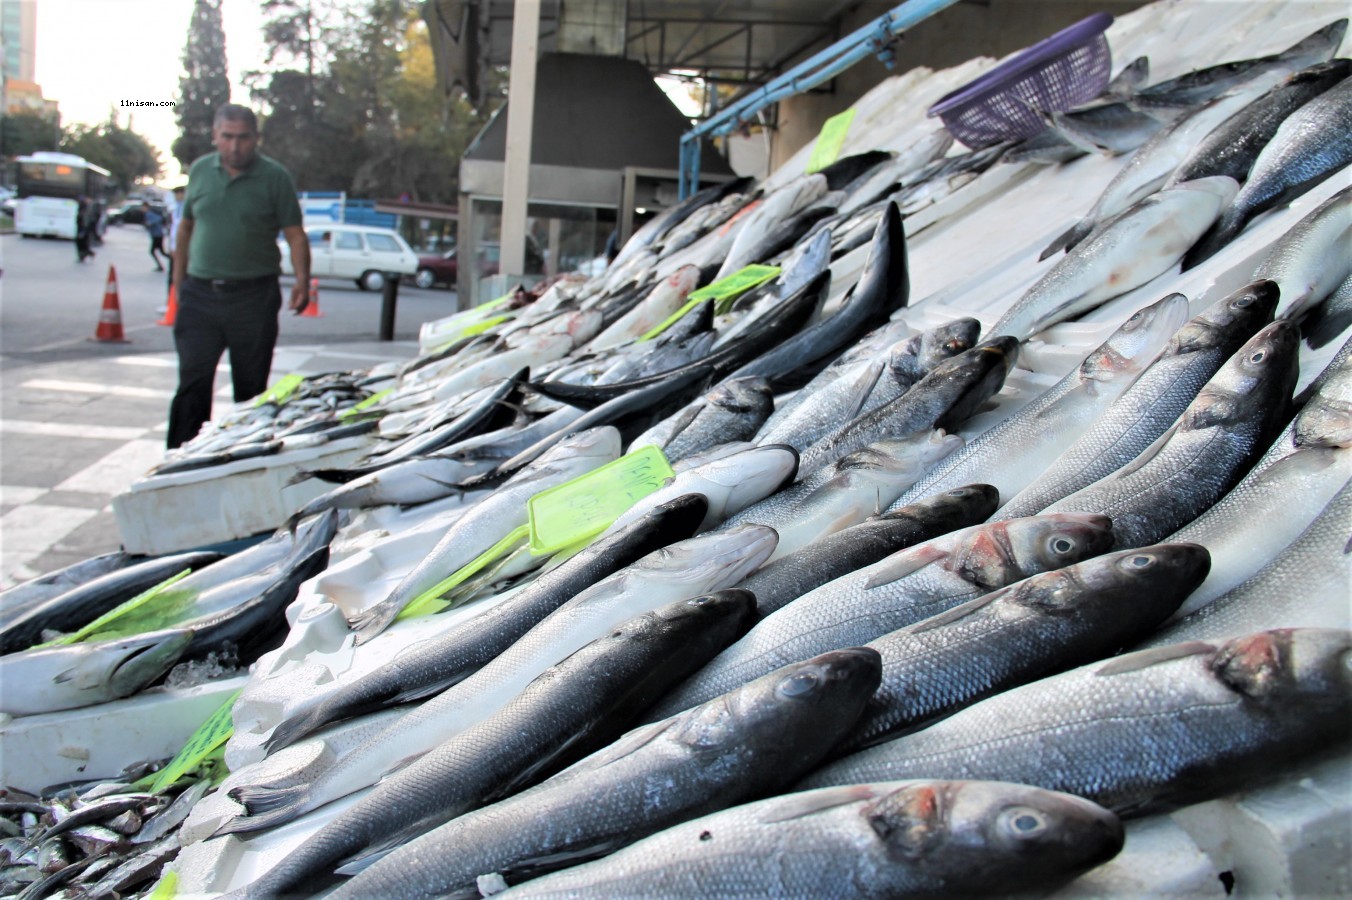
(591, 447)
(1143, 585)
(1310, 667)
(752, 396)
(949, 339)
(1136, 341)
(972, 836)
(912, 455)
(971, 502)
(713, 561)
(1326, 419)
(972, 376)
(1242, 312)
(1000, 553)
(140, 660)
(794, 714)
(720, 616)
(1256, 382)
(735, 482)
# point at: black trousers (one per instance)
(240, 317)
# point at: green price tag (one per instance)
(280, 392)
(580, 509)
(214, 732)
(723, 289)
(485, 325)
(365, 404)
(166, 888)
(429, 600)
(146, 618)
(830, 140)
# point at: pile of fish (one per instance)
(926, 605)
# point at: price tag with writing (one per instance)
(584, 507)
(147, 611)
(723, 289)
(213, 732)
(830, 140)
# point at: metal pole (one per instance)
(389, 299)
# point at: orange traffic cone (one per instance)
(312, 308)
(110, 317)
(171, 310)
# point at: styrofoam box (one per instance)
(168, 513)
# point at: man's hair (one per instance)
(233, 112)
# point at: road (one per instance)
(80, 420)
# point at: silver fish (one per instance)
(1144, 732)
(1311, 260)
(889, 839)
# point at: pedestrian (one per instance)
(84, 226)
(226, 267)
(153, 221)
(172, 217)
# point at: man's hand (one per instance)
(300, 266)
(300, 297)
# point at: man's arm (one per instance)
(181, 241)
(300, 265)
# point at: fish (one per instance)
(69, 611)
(1221, 433)
(24, 596)
(1310, 145)
(1201, 85)
(570, 710)
(789, 199)
(407, 482)
(430, 666)
(1130, 250)
(665, 299)
(1231, 147)
(1310, 261)
(1277, 500)
(887, 839)
(825, 559)
(201, 460)
(76, 675)
(1152, 403)
(1306, 585)
(863, 483)
(1330, 318)
(883, 287)
(489, 521)
(738, 746)
(696, 566)
(730, 483)
(906, 587)
(947, 394)
(1112, 128)
(733, 410)
(662, 224)
(1144, 732)
(1047, 623)
(1017, 450)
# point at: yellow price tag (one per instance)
(280, 392)
(725, 288)
(830, 140)
(580, 509)
(145, 620)
(485, 325)
(166, 888)
(365, 404)
(429, 600)
(213, 732)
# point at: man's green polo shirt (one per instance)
(236, 220)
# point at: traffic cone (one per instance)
(110, 317)
(171, 310)
(312, 308)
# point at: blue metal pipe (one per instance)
(874, 38)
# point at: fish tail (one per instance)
(373, 621)
(293, 729)
(302, 475)
(264, 807)
(1230, 223)
(1068, 238)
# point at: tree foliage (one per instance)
(205, 86)
(349, 101)
(22, 133)
(125, 154)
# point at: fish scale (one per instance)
(1154, 401)
(1144, 732)
(905, 588)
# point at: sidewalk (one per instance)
(75, 434)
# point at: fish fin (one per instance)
(1324, 325)
(1144, 659)
(899, 565)
(288, 731)
(1146, 455)
(810, 803)
(957, 613)
(265, 807)
(1068, 238)
(360, 862)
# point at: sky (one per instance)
(93, 54)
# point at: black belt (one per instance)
(225, 285)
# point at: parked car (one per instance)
(442, 268)
(362, 253)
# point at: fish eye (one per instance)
(1062, 545)
(1140, 561)
(1258, 356)
(1024, 822)
(1245, 300)
(799, 684)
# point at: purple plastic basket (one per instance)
(1055, 74)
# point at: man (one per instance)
(154, 224)
(226, 267)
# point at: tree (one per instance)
(125, 154)
(22, 133)
(205, 86)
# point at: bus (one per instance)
(49, 187)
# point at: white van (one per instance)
(362, 253)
